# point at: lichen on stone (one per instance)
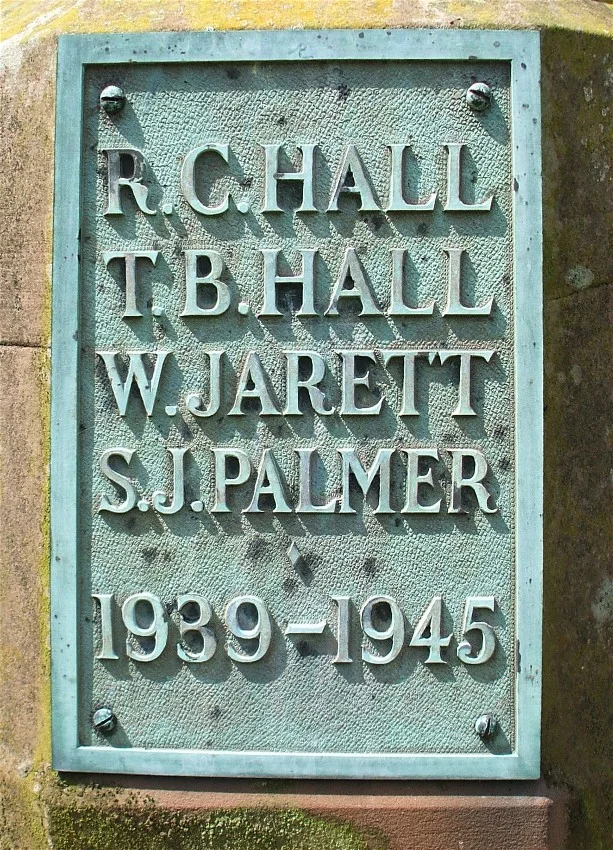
(75, 827)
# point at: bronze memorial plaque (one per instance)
(297, 405)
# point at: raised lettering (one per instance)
(188, 178)
(261, 631)
(381, 466)
(350, 381)
(117, 162)
(352, 268)
(157, 629)
(254, 374)
(268, 482)
(342, 630)
(397, 305)
(454, 306)
(305, 498)
(107, 650)
(431, 622)
(159, 497)
(454, 202)
(273, 174)
(117, 478)
(408, 407)
(310, 384)
(222, 481)
(352, 163)
(459, 482)
(130, 258)
(194, 402)
(197, 624)
(414, 480)
(136, 372)
(271, 279)
(193, 281)
(464, 407)
(397, 202)
(393, 632)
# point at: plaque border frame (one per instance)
(75, 53)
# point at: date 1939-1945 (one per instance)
(248, 629)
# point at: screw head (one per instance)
(112, 99)
(486, 726)
(104, 720)
(479, 97)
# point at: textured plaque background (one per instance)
(295, 698)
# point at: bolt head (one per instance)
(112, 99)
(486, 726)
(104, 720)
(479, 97)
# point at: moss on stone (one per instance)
(21, 818)
(149, 828)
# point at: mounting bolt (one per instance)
(486, 726)
(479, 96)
(104, 720)
(112, 99)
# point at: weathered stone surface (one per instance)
(305, 816)
(577, 640)
(24, 706)
(26, 187)
(578, 190)
(23, 567)
(578, 623)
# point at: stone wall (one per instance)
(39, 809)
